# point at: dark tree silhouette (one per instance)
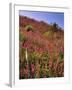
(55, 26)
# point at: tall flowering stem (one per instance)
(26, 54)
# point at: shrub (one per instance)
(29, 28)
(55, 26)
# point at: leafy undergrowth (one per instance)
(44, 45)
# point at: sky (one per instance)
(48, 17)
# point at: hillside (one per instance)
(45, 47)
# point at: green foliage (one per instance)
(47, 72)
(22, 37)
(50, 30)
(54, 57)
(45, 56)
(61, 56)
(29, 28)
(47, 34)
(22, 51)
(22, 54)
(44, 71)
(34, 56)
(53, 27)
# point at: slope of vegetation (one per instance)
(44, 45)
